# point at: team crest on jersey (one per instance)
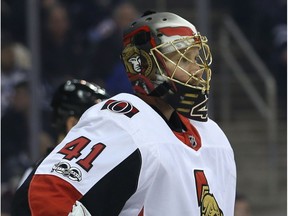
(122, 107)
(66, 170)
(206, 200)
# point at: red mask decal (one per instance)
(171, 31)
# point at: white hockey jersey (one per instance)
(122, 156)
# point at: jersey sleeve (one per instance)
(50, 195)
(97, 163)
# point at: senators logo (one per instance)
(123, 107)
(206, 201)
(137, 61)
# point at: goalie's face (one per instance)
(189, 66)
(184, 66)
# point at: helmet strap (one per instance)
(161, 90)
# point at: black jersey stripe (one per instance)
(108, 196)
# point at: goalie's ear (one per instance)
(78, 209)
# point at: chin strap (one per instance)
(192, 103)
(161, 90)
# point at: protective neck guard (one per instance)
(192, 103)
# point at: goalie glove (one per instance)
(79, 210)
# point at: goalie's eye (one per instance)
(198, 59)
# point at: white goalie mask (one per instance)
(162, 50)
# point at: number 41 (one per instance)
(73, 150)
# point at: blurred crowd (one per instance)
(82, 40)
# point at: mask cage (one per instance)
(181, 46)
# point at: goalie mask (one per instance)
(162, 51)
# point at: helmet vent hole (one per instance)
(164, 19)
(148, 19)
(159, 35)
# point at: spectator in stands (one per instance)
(14, 141)
(242, 206)
(13, 19)
(11, 72)
(106, 44)
(15, 132)
(116, 82)
(61, 51)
